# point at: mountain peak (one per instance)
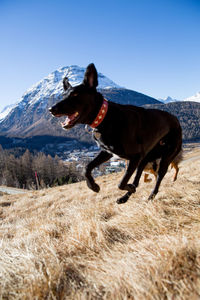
(75, 75)
(52, 85)
(168, 99)
(32, 107)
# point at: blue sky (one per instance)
(149, 46)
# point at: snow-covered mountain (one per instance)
(168, 100)
(52, 86)
(195, 98)
(30, 115)
(7, 109)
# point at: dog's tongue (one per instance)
(66, 122)
(69, 119)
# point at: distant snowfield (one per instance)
(195, 98)
(6, 111)
(168, 100)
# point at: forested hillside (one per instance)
(188, 114)
(29, 170)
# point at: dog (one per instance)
(133, 133)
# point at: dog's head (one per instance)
(79, 101)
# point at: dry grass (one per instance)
(70, 243)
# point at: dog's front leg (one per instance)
(102, 157)
(133, 163)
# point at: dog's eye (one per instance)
(75, 95)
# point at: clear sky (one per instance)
(151, 46)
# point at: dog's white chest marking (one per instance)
(98, 138)
(97, 135)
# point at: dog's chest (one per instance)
(103, 143)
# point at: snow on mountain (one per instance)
(195, 98)
(52, 85)
(6, 111)
(168, 100)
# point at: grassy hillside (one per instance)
(70, 243)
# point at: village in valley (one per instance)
(82, 156)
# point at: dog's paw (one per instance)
(123, 199)
(96, 188)
(152, 196)
(93, 186)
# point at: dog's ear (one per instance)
(66, 83)
(91, 76)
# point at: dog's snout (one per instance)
(54, 110)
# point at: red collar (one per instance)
(101, 115)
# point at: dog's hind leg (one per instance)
(146, 179)
(172, 148)
(164, 164)
(174, 165)
(140, 169)
(102, 157)
(161, 173)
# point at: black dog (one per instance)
(134, 133)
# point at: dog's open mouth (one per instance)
(70, 120)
